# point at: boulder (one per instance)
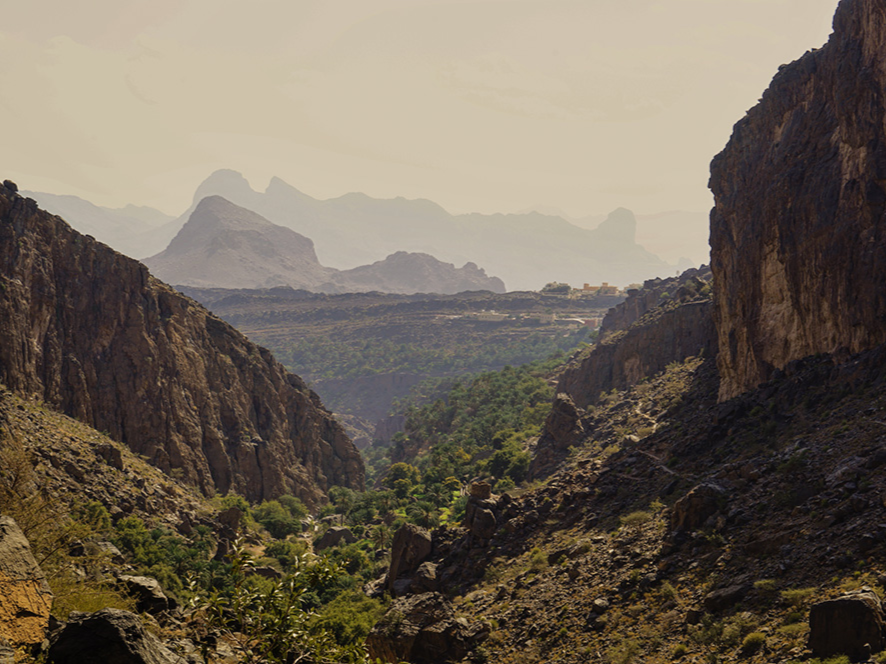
(481, 490)
(112, 455)
(106, 549)
(483, 524)
(693, 509)
(335, 536)
(230, 518)
(109, 635)
(147, 593)
(412, 544)
(725, 598)
(851, 625)
(423, 629)
(425, 578)
(25, 598)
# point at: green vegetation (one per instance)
(326, 358)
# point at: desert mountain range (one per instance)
(223, 245)
(525, 250)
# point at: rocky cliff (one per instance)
(644, 339)
(93, 334)
(797, 233)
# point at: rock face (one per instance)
(422, 629)
(92, 334)
(670, 334)
(641, 301)
(798, 248)
(25, 599)
(109, 635)
(411, 545)
(852, 625)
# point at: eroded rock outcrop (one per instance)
(25, 598)
(411, 546)
(668, 334)
(797, 233)
(92, 333)
(423, 629)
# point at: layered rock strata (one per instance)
(798, 238)
(92, 333)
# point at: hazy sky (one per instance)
(489, 106)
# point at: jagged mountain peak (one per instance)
(620, 226)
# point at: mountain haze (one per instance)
(223, 245)
(525, 250)
(132, 230)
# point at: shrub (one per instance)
(798, 596)
(753, 643)
(538, 561)
(635, 519)
(281, 517)
(679, 651)
(623, 653)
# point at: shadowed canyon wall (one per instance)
(797, 232)
(92, 333)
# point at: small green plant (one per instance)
(798, 596)
(667, 591)
(624, 653)
(753, 643)
(538, 561)
(635, 519)
(679, 651)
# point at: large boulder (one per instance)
(109, 635)
(851, 625)
(693, 509)
(412, 544)
(423, 629)
(25, 598)
(335, 536)
(147, 593)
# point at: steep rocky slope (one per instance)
(797, 234)
(93, 334)
(678, 527)
(223, 245)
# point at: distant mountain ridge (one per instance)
(223, 245)
(132, 230)
(525, 250)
